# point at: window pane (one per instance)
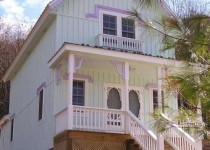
(114, 101)
(134, 105)
(128, 28)
(40, 104)
(109, 24)
(78, 93)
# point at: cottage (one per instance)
(88, 77)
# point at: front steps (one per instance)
(167, 146)
(131, 144)
(206, 145)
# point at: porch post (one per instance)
(127, 92)
(160, 138)
(70, 90)
(159, 77)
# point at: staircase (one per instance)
(206, 145)
(174, 139)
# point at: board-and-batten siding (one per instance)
(24, 99)
(73, 26)
(96, 93)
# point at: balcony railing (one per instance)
(120, 42)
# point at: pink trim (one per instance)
(120, 67)
(54, 4)
(87, 77)
(102, 7)
(12, 116)
(41, 87)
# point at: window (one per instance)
(110, 24)
(128, 28)
(113, 100)
(79, 93)
(184, 104)
(12, 130)
(41, 98)
(155, 99)
(134, 105)
(118, 25)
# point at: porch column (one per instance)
(126, 92)
(70, 90)
(126, 86)
(159, 77)
(160, 138)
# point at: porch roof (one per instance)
(113, 54)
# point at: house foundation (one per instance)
(85, 140)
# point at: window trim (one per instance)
(151, 89)
(139, 91)
(40, 120)
(86, 88)
(119, 17)
(12, 130)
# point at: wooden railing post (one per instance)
(160, 142)
(70, 90)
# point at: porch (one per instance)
(110, 92)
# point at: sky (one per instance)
(27, 11)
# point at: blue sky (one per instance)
(22, 10)
(14, 11)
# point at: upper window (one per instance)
(128, 28)
(41, 98)
(110, 24)
(119, 26)
(79, 93)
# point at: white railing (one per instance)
(111, 41)
(145, 138)
(180, 140)
(107, 120)
(98, 119)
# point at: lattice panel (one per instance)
(80, 144)
(60, 146)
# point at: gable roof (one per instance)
(38, 30)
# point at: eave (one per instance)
(100, 52)
(38, 30)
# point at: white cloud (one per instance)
(35, 3)
(15, 11)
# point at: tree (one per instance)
(188, 33)
(12, 38)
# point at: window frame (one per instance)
(42, 109)
(12, 130)
(119, 17)
(151, 89)
(85, 88)
(128, 32)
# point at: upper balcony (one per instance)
(120, 43)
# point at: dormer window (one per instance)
(109, 24)
(128, 28)
(118, 25)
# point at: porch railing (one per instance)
(119, 42)
(98, 119)
(180, 140)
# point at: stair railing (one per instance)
(144, 137)
(179, 139)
